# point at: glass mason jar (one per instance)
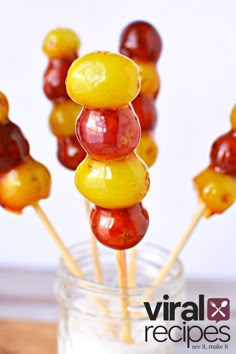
(90, 314)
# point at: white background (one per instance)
(198, 89)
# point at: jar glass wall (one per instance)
(90, 314)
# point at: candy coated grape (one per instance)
(24, 185)
(54, 79)
(113, 184)
(140, 41)
(4, 108)
(223, 153)
(108, 134)
(233, 118)
(147, 149)
(14, 148)
(146, 111)
(103, 80)
(119, 229)
(63, 118)
(69, 152)
(150, 82)
(61, 43)
(216, 190)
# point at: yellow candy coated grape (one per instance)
(61, 43)
(63, 118)
(233, 118)
(113, 184)
(103, 80)
(4, 107)
(150, 81)
(24, 185)
(216, 190)
(147, 149)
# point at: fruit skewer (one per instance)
(61, 46)
(23, 180)
(112, 176)
(141, 42)
(216, 188)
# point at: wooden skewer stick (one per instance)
(94, 249)
(96, 263)
(122, 279)
(176, 251)
(65, 254)
(132, 267)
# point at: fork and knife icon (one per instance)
(223, 304)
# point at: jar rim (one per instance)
(95, 288)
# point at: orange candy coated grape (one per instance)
(233, 118)
(141, 41)
(24, 185)
(216, 190)
(63, 117)
(147, 149)
(61, 43)
(150, 81)
(4, 108)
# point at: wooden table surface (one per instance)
(18, 337)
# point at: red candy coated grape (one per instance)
(14, 148)
(69, 152)
(54, 79)
(223, 153)
(108, 134)
(146, 111)
(119, 229)
(141, 41)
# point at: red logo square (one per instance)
(218, 309)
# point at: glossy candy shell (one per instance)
(147, 149)
(54, 79)
(4, 108)
(223, 153)
(233, 118)
(216, 190)
(108, 134)
(114, 184)
(63, 117)
(61, 43)
(14, 148)
(103, 80)
(146, 111)
(150, 81)
(24, 185)
(119, 229)
(141, 41)
(69, 152)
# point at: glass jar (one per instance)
(90, 314)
